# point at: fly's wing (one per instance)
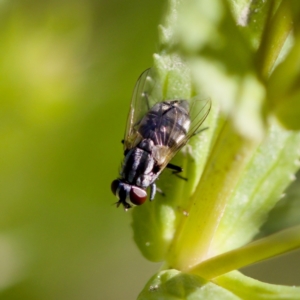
(177, 128)
(199, 109)
(143, 99)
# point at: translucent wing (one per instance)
(143, 99)
(169, 124)
(175, 126)
(199, 109)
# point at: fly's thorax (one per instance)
(139, 165)
(146, 145)
(164, 106)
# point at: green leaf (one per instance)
(240, 184)
(283, 85)
(174, 285)
(283, 89)
(251, 17)
(276, 31)
(222, 62)
(286, 212)
(267, 175)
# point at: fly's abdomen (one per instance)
(167, 123)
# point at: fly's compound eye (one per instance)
(137, 195)
(115, 186)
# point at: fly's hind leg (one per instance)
(200, 130)
(176, 171)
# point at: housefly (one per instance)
(156, 131)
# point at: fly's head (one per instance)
(128, 195)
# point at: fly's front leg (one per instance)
(176, 170)
(152, 191)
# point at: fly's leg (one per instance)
(199, 131)
(160, 191)
(176, 171)
(153, 190)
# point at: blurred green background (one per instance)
(67, 71)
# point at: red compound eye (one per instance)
(114, 186)
(137, 195)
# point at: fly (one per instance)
(155, 132)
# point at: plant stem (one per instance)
(230, 155)
(285, 240)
